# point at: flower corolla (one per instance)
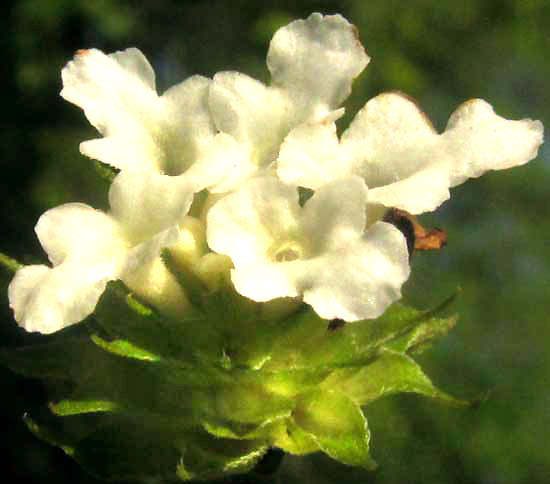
(406, 164)
(89, 248)
(320, 251)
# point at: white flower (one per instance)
(312, 64)
(165, 138)
(403, 160)
(88, 248)
(319, 251)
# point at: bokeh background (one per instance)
(441, 53)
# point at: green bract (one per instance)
(139, 396)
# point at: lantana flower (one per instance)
(89, 248)
(160, 138)
(320, 251)
(312, 64)
(406, 164)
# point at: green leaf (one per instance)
(337, 425)
(390, 373)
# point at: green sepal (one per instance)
(390, 373)
(337, 425)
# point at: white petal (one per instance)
(47, 300)
(405, 163)
(142, 130)
(335, 215)
(255, 115)
(76, 228)
(360, 282)
(311, 156)
(354, 283)
(147, 203)
(479, 141)
(389, 139)
(316, 60)
(141, 254)
(421, 192)
(222, 167)
(246, 223)
(116, 95)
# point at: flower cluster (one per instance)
(213, 172)
(243, 222)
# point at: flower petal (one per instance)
(147, 203)
(335, 215)
(479, 140)
(316, 60)
(142, 130)
(362, 280)
(354, 283)
(255, 115)
(311, 156)
(47, 300)
(76, 227)
(244, 224)
(117, 95)
(405, 163)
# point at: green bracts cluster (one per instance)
(135, 395)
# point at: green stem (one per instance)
(8, 263)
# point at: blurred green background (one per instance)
(441, 53)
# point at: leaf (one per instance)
(124, 348)
(390, 373)
(293, 439)
(123, 317)
(337, 425)
(207, 457)
(304, 340)
(430, 327)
